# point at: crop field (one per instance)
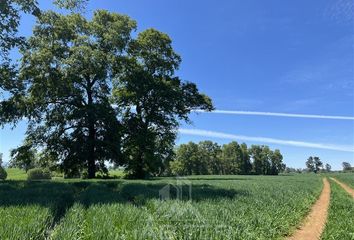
(200, 207)
(340, 223)
(347, 178)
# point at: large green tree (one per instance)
(153, 101)
(10, 90)
(68, 69)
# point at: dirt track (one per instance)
(315, 222)
(345, 187)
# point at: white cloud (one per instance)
(206, 133)
(274, 114)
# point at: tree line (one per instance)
(207, 157)
(315, 165)
(92, 91)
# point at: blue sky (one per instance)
(254, 55)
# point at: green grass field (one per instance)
(16, 174)
(198, 207)
(347, 178)
(340, 223)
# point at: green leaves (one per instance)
(74, 70)
(229, 159)
(153, 100)
(153, 49)
(69, 66)
(73, 5)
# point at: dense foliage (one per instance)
(23, 157)
(314, 164)
(92, 94)
(207, 157)
(3, 173)
(346, 166)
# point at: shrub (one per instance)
(3, 173)
(38, 174)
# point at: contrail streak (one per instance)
(206, 133)
(275, 114)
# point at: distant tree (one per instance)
(277, 164)
(257, 159)
(318, 164)
(328, 168)
(207, 157)
(189, 161)
(314, 164)
(177, 167)
(23, 157)
(232, 158)
(346, 166)
(246, 166)
(265, 161)
(1, 161)
(310, 164)
(210, 153)
(289, 170)
(292, 170)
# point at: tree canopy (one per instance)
(153, 100)
(346, 166)
(93, 94)
(314, 164)
(207, 157)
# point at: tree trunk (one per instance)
(91, 171)
(91, 165)
(139, 171)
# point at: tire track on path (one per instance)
(314, 224)
(345, 187)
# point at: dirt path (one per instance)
(315, 222)
(345, 187)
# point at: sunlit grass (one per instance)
(24, 222)
(236, 208)
(340, 224)
(347, 178)
(16, 174)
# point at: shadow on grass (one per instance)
(60, 196)
(218, 178)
